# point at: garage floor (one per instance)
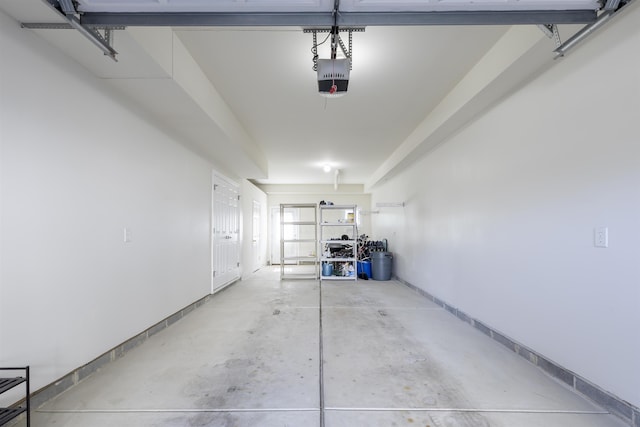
(250, 357)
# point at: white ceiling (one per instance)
(248, 96)
(399, 75)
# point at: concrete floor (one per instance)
(250, 357)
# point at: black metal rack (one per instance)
(8, 383)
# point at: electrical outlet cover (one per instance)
(601, 237)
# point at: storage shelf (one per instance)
(352, 278)
(299, 223)
(7, 414)
(8, 383)
(344, 207)
(329, 233)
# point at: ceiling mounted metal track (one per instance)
(66, 9)
(327, 19)
(612, 9)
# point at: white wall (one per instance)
(499, 221)
(254, 254)
(348, 194)
(78, 165)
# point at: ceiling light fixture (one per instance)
(326, 167)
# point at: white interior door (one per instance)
(255, 235)
(225, 233)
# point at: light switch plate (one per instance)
(601, 237)
(127, 235)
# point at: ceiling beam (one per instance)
(326, 19)
(532, 17)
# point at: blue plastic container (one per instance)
(327, 269)
(364, 267)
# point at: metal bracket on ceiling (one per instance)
(67, 10)
(348, 52)
(551, 31)
(328, 30)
